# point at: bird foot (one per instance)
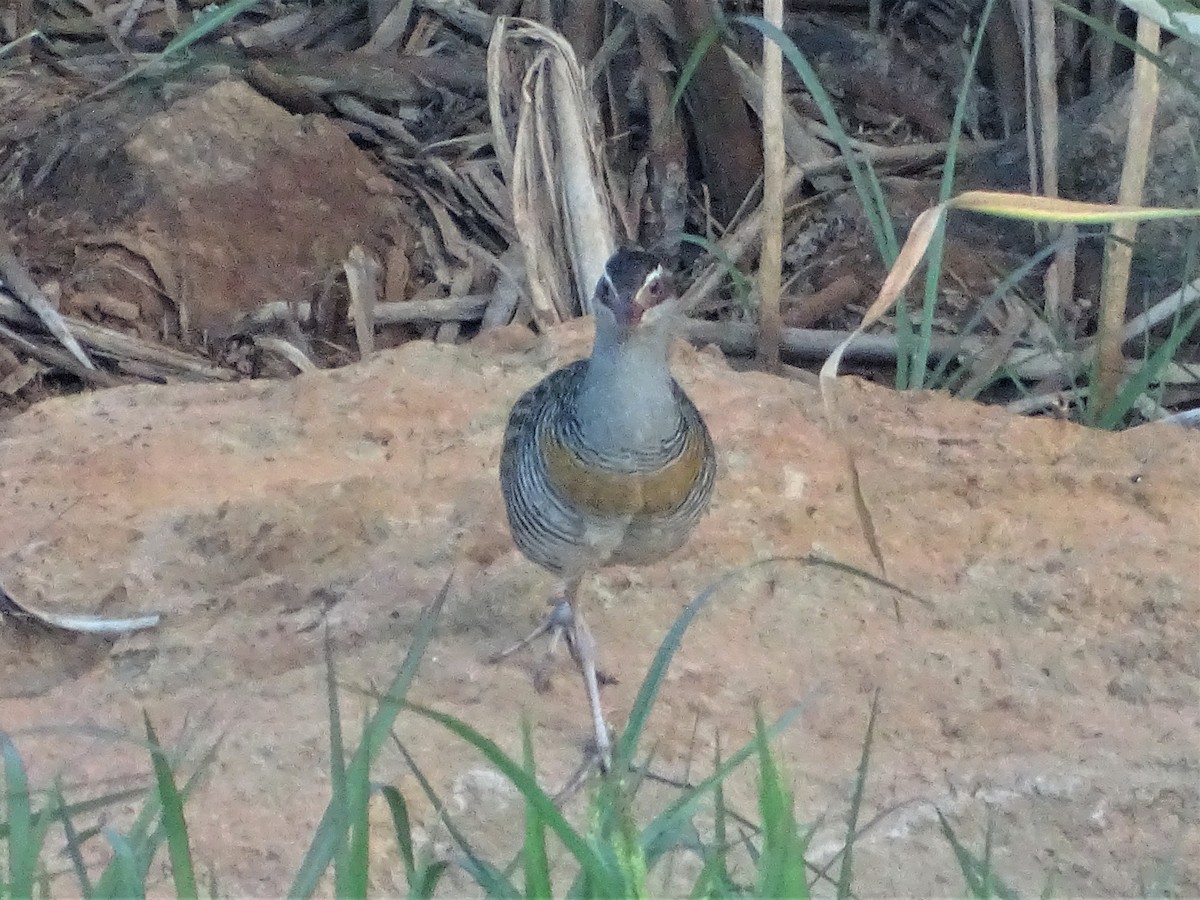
(564, 623)
(561, 626)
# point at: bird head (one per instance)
(635, 295)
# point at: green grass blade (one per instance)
(933, 268)
(687, 802)
(21, 851)
(648, 693)
(422, 881)
(428, 881)
(127, 880)
(781, 866)
(71, 841)
(862, 173)
(860, 783)
(704, 43)
(206, 23)
(741, 284)
(403, 827)
(356, 866)
(494, 882)
(985, 306)
(328, 835)
(719, 857)
(537, 864)
(1147, 373)
(981, 881)
(173, 822)
(338, 802)
(966, 863)
(594, 868)
(643, 703)
(147, 831)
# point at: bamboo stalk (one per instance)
(770, 261)
(1110, 363)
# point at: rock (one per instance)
(197, 212)
(252, 515)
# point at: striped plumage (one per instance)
(572, 506)
(606, 460)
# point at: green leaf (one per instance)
(403, 828)
(339, 801)
(860, 784)
(330, 832)
(1148, 372)
(781, 866)
(687, 802)
(494, 882)
(22, 852)
(174, 824)
(127, 880)
(537, 864)
(703, 44)
(862, 173)
(919, 352)
(601, 874)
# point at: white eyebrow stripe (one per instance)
(612, 287)
(655, 275)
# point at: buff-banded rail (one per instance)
(606, 461)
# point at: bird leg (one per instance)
(583, 649)
(565, 623)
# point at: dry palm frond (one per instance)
(545, 132)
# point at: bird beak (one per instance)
(654, 301)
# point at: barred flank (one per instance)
(555, 486)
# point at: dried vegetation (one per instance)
(212, 194)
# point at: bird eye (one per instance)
(656, 288)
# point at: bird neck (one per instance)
(627, 399)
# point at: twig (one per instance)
(362, 279)
(107, 342)
(468, 308)
(18, 280)
(59, 359)
(1163, 309)
(829, 299)
(462, 14)
(739, 339)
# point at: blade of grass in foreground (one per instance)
(781, 866)
(684, 806)
(537, 865)
(604, 881)
(860, 784)
(422, 879)
(403, 828)
(126, 879)
(71, 842)
(21, 852)
(982, 882)
(337, 767)
(330, 832)
(172, 818)
(647, 694)
(495, 883)
(639, 713)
